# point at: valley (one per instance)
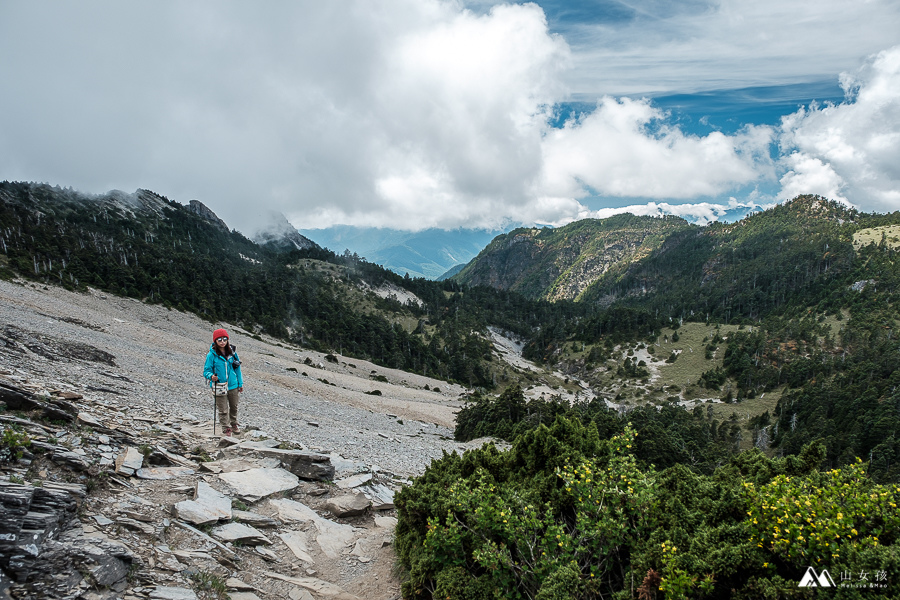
(712, 371)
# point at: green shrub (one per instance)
(564, 514)
(819, 517)
(13, 443)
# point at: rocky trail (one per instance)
(123, 490)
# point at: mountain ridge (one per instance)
(560, 263)
(626, 257)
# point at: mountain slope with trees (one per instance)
(558, 264)
(147, 247)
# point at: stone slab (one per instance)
(231, 465)
(291, 510)
(163, 473)
(354, 481)
(366, 548)
(386, 522)
(331, 537)
(303, 464)
(320, 587)
(348, 505)
(129, 461)
(233, 583)
(208, 506)
(382, 496)
(256, 484)
(238, 532)
(297, 542)
(254, 519)
(172, 593)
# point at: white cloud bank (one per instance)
(399, 113)
(850, 151)
(612, 152)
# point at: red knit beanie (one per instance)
(219, 333)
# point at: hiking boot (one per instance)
(235, 430)
(227, 432)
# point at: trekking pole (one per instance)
(211, 387)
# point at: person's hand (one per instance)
(241, 389)
(214, 378)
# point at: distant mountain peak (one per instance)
(821, 207)
(281, 235)
(207, 214)
(562, 263)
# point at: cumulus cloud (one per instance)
(398, 113)
(850, 151)
(614, 152)
(404, 113)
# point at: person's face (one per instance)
(220, 342)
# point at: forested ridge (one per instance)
(558, 264)
(661, 502)
(147, 247)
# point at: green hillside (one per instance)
(744, 428)
(147, 247)
(558, 264)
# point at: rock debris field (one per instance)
(124, 491)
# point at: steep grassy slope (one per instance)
(793, 254)
(557, 264)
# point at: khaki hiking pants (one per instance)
(227, 407)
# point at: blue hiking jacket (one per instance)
(223, 368)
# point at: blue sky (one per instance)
(413, 114)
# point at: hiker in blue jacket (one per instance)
(224, 366)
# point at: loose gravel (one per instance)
(56, 338)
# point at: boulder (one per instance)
(208, 506)
(354, 481)
(254, 519)
(129, 461)
(238, 532)
(29, 517)
(348, 505)
(303, 464)
(254, 484)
